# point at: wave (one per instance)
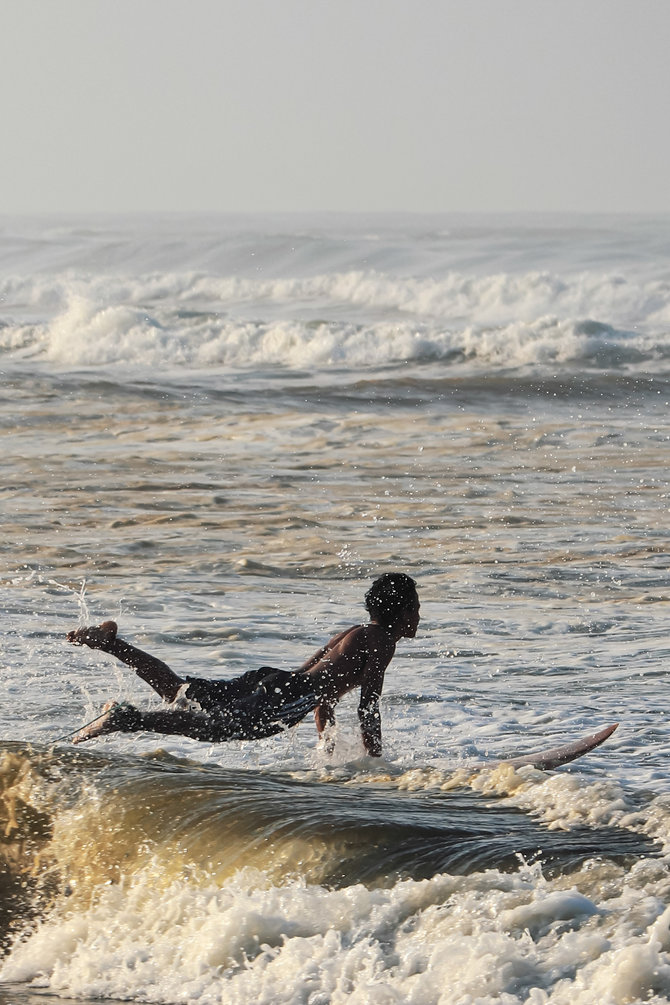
(310, 294)
(157, 879)
(86, 334)
(491, 297)
(74, 822)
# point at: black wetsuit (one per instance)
(259, 703)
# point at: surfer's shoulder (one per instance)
(346, 636)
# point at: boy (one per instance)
(266, 701)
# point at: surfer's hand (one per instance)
(327, 741)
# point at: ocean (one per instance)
(218, 430)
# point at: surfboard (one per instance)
(547, 759)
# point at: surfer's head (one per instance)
(392, 601)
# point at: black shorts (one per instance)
(259, 703)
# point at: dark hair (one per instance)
(389, 596)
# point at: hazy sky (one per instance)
(335, 105)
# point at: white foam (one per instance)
(100, 331)
(489, 937)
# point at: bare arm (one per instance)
(369, 715)
(324, 716)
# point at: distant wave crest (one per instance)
(352, 319)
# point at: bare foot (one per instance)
(115, 718)
(97, 637)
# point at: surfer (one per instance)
(266, 701)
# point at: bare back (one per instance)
(352, 658)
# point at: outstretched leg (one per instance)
(114, 718)
(157, 674)
(123, 718)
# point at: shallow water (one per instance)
(217, 432)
